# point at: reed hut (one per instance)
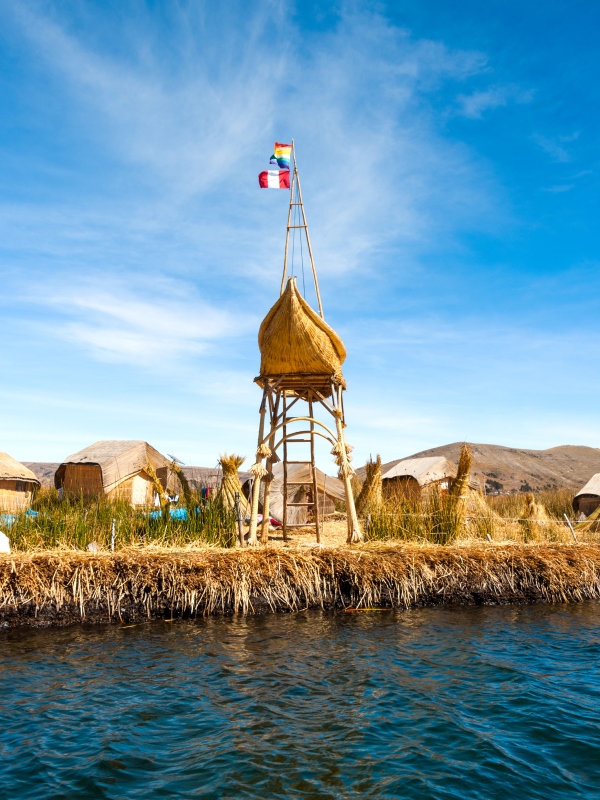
(130, 470)
(587, 500)
(18, 485)
(411, 476)
(299, 493)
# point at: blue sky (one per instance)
(449, 163)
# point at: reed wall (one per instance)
(62, 587)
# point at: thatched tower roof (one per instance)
(13, 470)
(293, 339)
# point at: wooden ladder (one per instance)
(314, 504)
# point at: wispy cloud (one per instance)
(555, 147)
(201, 129)
(474, 105)
(146, 326)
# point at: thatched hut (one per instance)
(587, 500)
(299, 490)
(130, 470)
(411, 476)
(17, 485)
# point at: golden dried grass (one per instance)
(294, 339)
(231, 484)
(60, 587)
(370, 496)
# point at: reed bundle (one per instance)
(536, 522)
(294, 339)
(370, 496)
(62, 587)
(231, 484)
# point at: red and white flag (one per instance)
(274, 179)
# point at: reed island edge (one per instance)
(62, 587)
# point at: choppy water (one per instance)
(439, 703)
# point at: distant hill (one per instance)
(43, 471)
(507, 468)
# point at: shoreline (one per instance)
(62, 587)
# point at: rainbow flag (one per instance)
(281, 155)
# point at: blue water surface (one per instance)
(434, 703)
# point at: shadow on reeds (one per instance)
(77, 523)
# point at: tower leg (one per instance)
(259, 472)
(355, 534)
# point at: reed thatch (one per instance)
(55, 588)
(370, 496)
(18, 485)
(231, 484)
(293, 339)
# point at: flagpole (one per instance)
(305, 226)
(287, 235)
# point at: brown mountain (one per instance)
(43, 471)
(507, 468)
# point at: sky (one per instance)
(449, 162)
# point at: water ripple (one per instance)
(437, 703)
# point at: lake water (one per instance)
(435, 703)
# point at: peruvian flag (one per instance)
(274, 179)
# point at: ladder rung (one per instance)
(299, 483)
(298, 462)
(289, 505)
(302, 525)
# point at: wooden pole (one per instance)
(314, 473)
(264, 531)
(252, 539)
(285, 475)
(287, 235)
(238, 514)
(310, 252)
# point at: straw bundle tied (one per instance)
(231, 480)
(57, 588)
(536, 522)
(293, 339)
(370, 496)
(591, 524)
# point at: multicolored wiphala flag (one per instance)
(281, 155)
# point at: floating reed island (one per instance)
(131, 586)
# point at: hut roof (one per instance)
(423, 470)
(591, 487)
(293, 339)
(298, 473)
(118, 459)
(11, 469)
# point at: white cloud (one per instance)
(475, 104)
(150, 325)
(554, 147)
(376, 174)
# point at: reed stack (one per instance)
(370, 496)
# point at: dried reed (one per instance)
(62, 587)
(231, 481)
(370, 496)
